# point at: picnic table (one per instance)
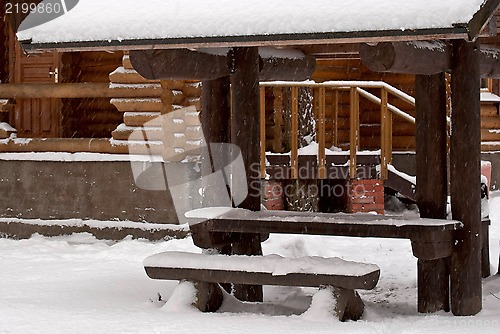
(431, 239)
(216, 228)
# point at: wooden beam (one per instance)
(245, 133)
(212, 64)
(465, 167)
(423, 58)
(287, 69)
(65, 90)
(432, 183)
(406, 57)
(181, 64)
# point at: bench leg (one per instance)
(347, 304)
(209, 296)
(485, 250)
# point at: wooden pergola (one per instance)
(233, 118)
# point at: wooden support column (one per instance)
(245, 134)
(466, 289)
(216, 110)
(215, 116)
(432, 183)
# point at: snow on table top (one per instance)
(227, 213)
(273, 264)
(97, 20)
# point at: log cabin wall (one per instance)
(145, 110)
(91, 117)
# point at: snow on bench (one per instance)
(207, 270)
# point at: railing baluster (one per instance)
(354, 131)
(335, 118)
(294, 158)
(384, 129)
(262, 132)
(321, 133)
(278, 119)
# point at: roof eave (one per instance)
(456, 32)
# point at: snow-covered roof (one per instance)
(175, 23)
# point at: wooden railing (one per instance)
(357, 90)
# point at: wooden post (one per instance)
(432, 183)
(384, 129)
(278, 120)
(321, 133)
(354, 132)
(294, 157)
(216, 110)
(335, 117)
(245, 134)
(215, 116)
(466, 289)
(262, 113)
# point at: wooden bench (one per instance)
(206, 271)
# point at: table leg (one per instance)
(433, 285)
(249, 244)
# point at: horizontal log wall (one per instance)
(89, 117)
(144, 104)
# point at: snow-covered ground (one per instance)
(78, 284)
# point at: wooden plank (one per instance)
(432, 190)
(466, 287)
(262, 115)
(138, 105)
(384, 134)
(278, 119)
(140, 118)
(295, 133)
(354, 130)
(129, 77)
(335, 118)
(422, 231)
(321, 133)
(238, 269)
(489, 110)
(491, 122)
(490, 135)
